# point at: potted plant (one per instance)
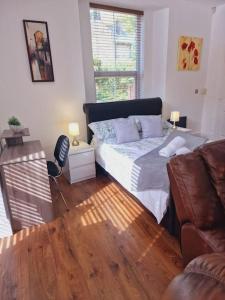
(15, 125)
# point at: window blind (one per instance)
(116, 47)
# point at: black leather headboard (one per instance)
(120, 109)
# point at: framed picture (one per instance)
(189, 53)
(38, 50)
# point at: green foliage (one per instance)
(97, 64)
(128, 22)
(14, 121)
(114, 88)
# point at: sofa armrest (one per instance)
(193, 243)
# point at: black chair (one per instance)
(60, 154)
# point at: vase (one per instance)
(16, 128)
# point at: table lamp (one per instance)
(174, 117)
(74, 132)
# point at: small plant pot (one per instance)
(16, 128)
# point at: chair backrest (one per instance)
(61, 150)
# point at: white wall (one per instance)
(158, 53)
(87, 52)
(215, 99)
(85, 27)
(192, 20)
(46, 108)
(162, 29)
(147, 48)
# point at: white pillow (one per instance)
(126, 131)
(137, 121)
(103, 130)
(167, 125)
(151, 127)
(139, 117)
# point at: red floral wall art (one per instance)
(189, 53)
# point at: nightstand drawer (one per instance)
(81, 159)
(82, 173)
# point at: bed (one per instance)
(118, 160)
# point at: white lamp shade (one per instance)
(74, 129)
(175, 116)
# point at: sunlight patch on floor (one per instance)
(110, 204)
(151, 244)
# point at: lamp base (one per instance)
(174, 125)
(75, 142)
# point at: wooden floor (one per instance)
(106, 247)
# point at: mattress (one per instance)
(118, 161)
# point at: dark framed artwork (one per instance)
(38, 50)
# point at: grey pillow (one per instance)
(126, 131)
(151, 126)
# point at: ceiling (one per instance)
(142, 4)
(211, 3)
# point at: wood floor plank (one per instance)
(71, 283)
(8, 277)
(142, 255)
(106, 247)
(104, 264)
(41, 261)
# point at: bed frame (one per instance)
(122, 109)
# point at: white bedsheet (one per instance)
(118, 160)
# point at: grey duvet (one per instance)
(150, 171)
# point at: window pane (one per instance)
(114, 88)
(114, 40)
(116, 48)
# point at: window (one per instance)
(116, 47)
(95, 15)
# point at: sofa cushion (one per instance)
(214, 156)
(202, 279)
(191, 187)
(212, 266)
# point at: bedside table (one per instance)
(184, 129)
(80, 164)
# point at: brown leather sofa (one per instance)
(198, 188)
(202, 279)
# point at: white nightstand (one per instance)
(184, 129)
(80, 164)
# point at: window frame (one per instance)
(136, 74)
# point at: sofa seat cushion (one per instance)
(202, 279)
(212, 265)
(195, 197)
(214, 156)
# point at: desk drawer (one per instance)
(82, 173)
(28, 194)
(81, 159)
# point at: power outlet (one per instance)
(203, 91)
(196, 91)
